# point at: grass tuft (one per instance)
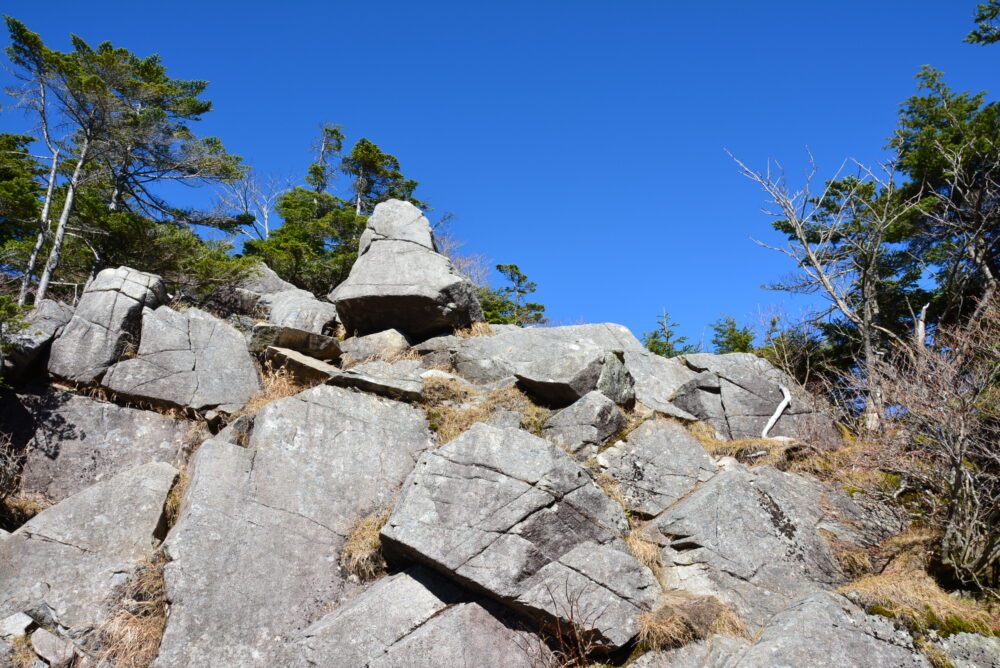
(22, 654)
(362, 553)
(749, 451)
(391, 356)
(276, 383)
(130, 636)
(175, 498)
(683, 619)
(475, 329)
(453, 408)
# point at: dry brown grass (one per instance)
(749, 451)
(22, 654)
(175, 498)
(362, 553)
(348, 361)
(611, 487)
(643, 549)
(276, 383)
(683, 619)
(853, 559)
(475, 329)
(453, 408)
(130, 636)
(17, 509)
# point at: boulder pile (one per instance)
(521, 498)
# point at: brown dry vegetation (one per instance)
(643, 549)
(683, 619)
(22, 655)
(347, 361)
(362, 553)
(750, 451)
(475, 329)
(172, 507)
(130, 636)
(452, 408)
(276, 383)
(17, 509)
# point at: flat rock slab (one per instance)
(255, 550)
(401, 380)
(105, 321)
(73, 442)
(57, 652)
(44, 321)
(752, 539)
(305, 369)
(61, 565)
(190, 359)
(299, 309)
(586, 425)
(398, 282)
(320, 346)
(657, 465)
(507, 513)
(562, 380)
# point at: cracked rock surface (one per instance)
(586, 425)
(299, 309)
(187, 358)
(105, 320)
(518, 519)
(59, 566)
(400, 282)
(401, 380)
(255, 551)
(560, 381)
(45, 320)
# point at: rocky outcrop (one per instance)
(44, 322)
(60, 566)
(254, 553)
(586, 425)
(71, 442)
(104, 322)
(399, 281)
(189, 359)
(508, 514)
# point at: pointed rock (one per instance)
(586, 425)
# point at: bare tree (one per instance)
(253, 199)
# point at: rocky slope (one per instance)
(536, 494)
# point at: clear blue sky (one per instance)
(581, 140)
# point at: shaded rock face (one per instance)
(506, 513)
(400, 282)
(657, 466)
(256, 548)
(586, 425)
(62, 564)
(72, 442)
(824, 629)
(738, 393)
(189, 359)
(45, 321)
(303, 368)
(105, 320)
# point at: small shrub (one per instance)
(10, 467)
(130, 635)
(276, 383)
(362, 553)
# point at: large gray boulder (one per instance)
(190, 359)
(72, 442)
(256, 547)
(399, 281)
(738, 393)
(299, 309)
(559, 381)
(586, 425)
(105, 321)
(657, 466)
(824, 629)
(45, 321)
(373, 346)
(61, 565)
(512, 516)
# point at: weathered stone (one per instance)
(255, 550)
(586, 425)
(237, 431)
(190, 359)
(750, 538)
(715, 652)
(264, 281)
(309, 343)
(658, 464)
(105, 321)
(562, 380)
(57, 652)
(971, 650)
(398, 282)
(495, 507)
(44, 321)
(305, 369)
(374, 346)
(72, 442)
(15, 625)
(299, 309)
(61, 564)
(398, 381)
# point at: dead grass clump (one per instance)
(681, 620)
(22, 655)
(643, 549)
(10, 467)
(130, 636)
(17, 509)
(853, 559)
(362, 553)
(475, 329)
(172, 507)
(276, 383)
(452, 409)
(749, 451)
(390, 356)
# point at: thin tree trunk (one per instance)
(43, 231)
(55, 254)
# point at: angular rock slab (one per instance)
(44, 323)
(824, 629)
(308, 343)
(586, 425)
(76, 441)
(401, 380)
(305, 369)
(750, 538)
(61, 565)
(398, 282)
(255, 550)
(190, 359)
(658, 464)
(562, 380)
(105, 320)
(507, 513)
(301, 310)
